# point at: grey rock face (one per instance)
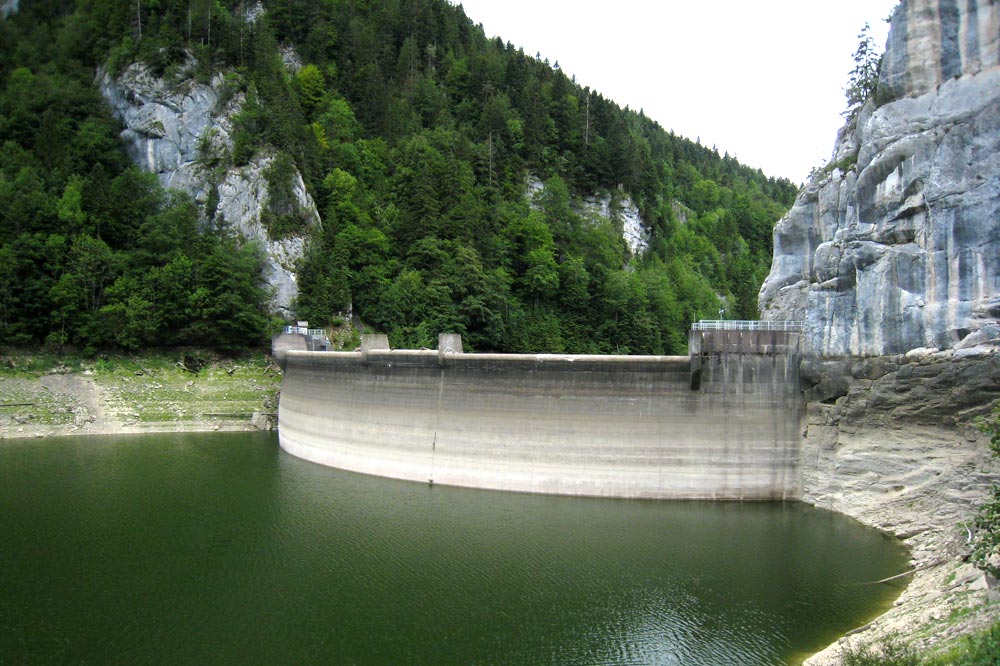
(8, 7)
(932, 41)
(243, 196)
(625, 212)
(175, 129)
(620, 211)
(168, 127)
(903, 249)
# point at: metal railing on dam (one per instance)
(613, 426)
(746, 325)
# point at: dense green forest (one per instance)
(417, 136)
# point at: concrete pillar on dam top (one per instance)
(373, 342)
(450, 343)
(370, 341)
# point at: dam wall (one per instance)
(716, 425)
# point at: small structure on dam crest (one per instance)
(724, 423)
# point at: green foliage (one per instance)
(863, 79)
(986, 542)
(889, 653)
(991, 426)
(979, 649)
(283, 216)
(310, 86)
(986, 548)
(416, 136)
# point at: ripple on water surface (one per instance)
(223, 549)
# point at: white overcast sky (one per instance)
(761, 79)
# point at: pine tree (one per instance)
(863, 79)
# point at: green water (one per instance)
(222, 549)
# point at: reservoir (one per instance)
(223, 549)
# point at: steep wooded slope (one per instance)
(419, 139)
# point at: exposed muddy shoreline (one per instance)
(140, 395)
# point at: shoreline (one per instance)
(129, 396)
(46, 432)
(942, 589)
(892, 443)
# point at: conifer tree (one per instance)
(863, 80)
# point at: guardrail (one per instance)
(746, 325)
(301, 330)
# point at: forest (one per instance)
(448, 168)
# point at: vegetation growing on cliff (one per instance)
(93, 252)
(986, 544)
(862, 82)
(417, 136)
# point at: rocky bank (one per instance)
(136, 395)
(892, 441)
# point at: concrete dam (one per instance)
(724, 422)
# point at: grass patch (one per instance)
(157, 388)
(889, 652)
(978, 649)
(34, 364)
(43, 388)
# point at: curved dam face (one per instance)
(614, 426)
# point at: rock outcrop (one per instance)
(179, 131)
(892, 442)
(897, 244)
(8, 7)
(626, 213)
(618, 208)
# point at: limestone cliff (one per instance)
(177, 130)
(896, 245)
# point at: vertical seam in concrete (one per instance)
(437, 424)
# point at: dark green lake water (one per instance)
(222, 549)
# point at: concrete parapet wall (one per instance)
(615, 426)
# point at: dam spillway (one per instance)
(722, 423)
